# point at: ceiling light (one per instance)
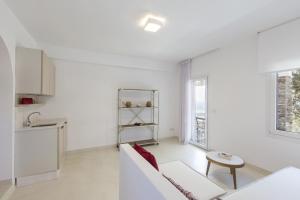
(153, 25)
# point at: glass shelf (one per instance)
(134, 125)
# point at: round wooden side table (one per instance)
(232, 163)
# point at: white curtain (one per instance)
(186, 99)
(278, 48)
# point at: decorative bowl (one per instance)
(225, 155)
(148, 104)
(128, 104)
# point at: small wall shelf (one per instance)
(138, 111)
(28, 105)
(35, 98)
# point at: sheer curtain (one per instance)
(186, 99)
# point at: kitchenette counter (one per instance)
(39, 150)
(47, 124)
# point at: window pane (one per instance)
(288, 101)
(200, 97)
(199, 102)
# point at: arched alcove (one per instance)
(6, 117)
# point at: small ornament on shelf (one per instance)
(137, 124)
(127, 104)
(148, 104)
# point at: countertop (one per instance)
(58, 121)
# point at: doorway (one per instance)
(199, 134)
(6, 120)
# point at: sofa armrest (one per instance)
(140, 181)
(284, 184)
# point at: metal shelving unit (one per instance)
(136, 121)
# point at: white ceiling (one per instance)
(112, 26)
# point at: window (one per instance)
(199, 113)
(288, 101)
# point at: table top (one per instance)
(234, 161)
(282, 185)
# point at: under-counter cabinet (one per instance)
(35, 72)
(39, 153)
(62, 133)
(36, 151)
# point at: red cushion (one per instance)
(146, 155)
(139, 148)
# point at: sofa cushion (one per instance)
(192, 181)
(146, 155)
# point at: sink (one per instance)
(42, 125)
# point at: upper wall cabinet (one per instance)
(35, 72)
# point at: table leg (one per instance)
(234, 177)
(207, 169)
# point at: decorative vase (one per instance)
(128, 104)
(148, 104)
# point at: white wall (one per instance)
(86, 94)
(12, 33)
(6, 114)
(237, 102)
(99, 58)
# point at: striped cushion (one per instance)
(186, 193)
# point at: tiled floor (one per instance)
(93, 175)
(4, 187)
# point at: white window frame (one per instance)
(206, 111)
(273, 111)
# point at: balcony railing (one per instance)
(199, 133)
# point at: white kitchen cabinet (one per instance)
(36, 151)
(39, 150)
(35, 72)
(61, 144)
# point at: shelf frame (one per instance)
(144, 142)
(136, 111)
(143, 90)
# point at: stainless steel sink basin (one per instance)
(42, 125)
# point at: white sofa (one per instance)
(281, 185)
(140, 181)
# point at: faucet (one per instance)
(28, 122)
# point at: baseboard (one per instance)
(76, 151)
(72, 152)
(28, 180)
(8, 193)
(169, 138)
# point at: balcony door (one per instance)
(199, 113)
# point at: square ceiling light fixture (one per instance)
(153, 25)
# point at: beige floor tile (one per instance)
(93, 175)
(4, 187)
